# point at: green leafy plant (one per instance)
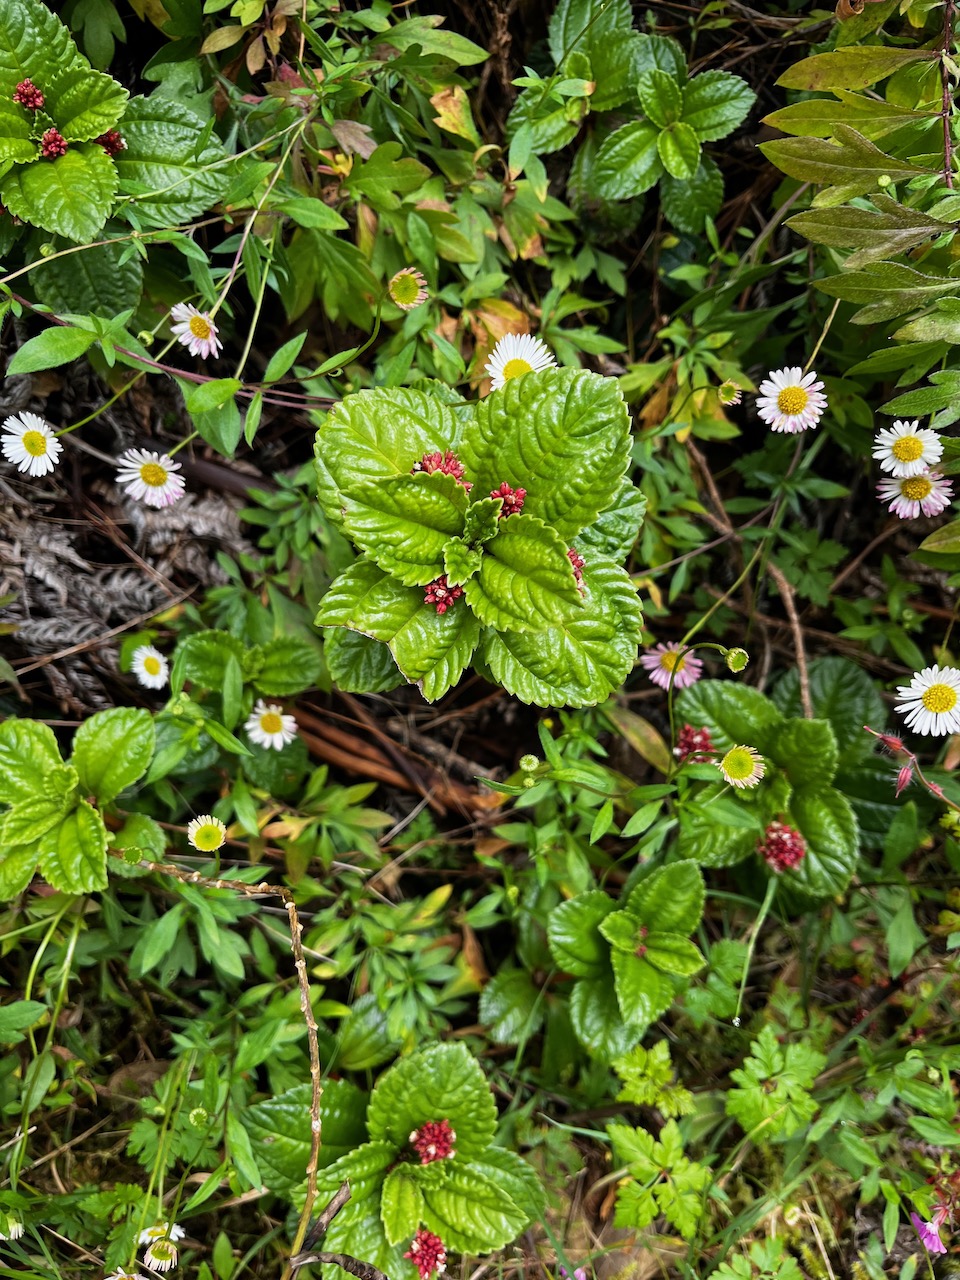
(663, 1180)
(491, 533)
(772, 1098)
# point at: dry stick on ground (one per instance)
(786, 591)
(300, 964)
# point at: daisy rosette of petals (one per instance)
(267, 726)
(742, 767)
(150, 667)
(161, 1254)
(195, 329)
(408, 288)
(665, 660)
(910, 496)
(516, 354)
(162, 1231)
(930, 703)
(729, 393)
(907, 450)
(206, 833)
(120, 1274)
(29, 443)
(791, 400)
(150, 477)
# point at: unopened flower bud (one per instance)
(736, 659)
(904, 778)
(528, 763)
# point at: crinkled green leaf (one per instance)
(807, 752)
(84, 103)
(643, 992)
(583, 25)
(661, 97)
(669, 899)
(364, 1040)
(432, 650)
(617, 66)
(688, 204)
(673, 953)
(289, 666)
(16, 133)
(715, 103)
(679, 150)
(70, 196)
(358, 664)
(525, 581)
(511, 1006)
(17, 867)
(828, 825)
(32, 41)
(279, 1129)
(551, 125)
(518, 1179)
(112, 749)
(28, 752)
(366, 599)
(614, 532)
(574, 935)
(29, 821)
(460, 562)
(160, 170)
(628, 162)
(597, 1019)
(471, 1213)
(735, 714)
(622, 931)
(404, 522)
(563, 435)
(73, 857)
(401, 1205)
(719, 830)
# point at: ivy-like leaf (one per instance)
(70, 196)
(73, 858)
(84, 103)
(403, 523)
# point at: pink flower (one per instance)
(782, 847)
(434, 1141)
(929, 1232)
(904, 778)
(909, 496)
(111, 142)
(662, 661)
(447, 463)
(28, 95)
(53, 144)
(575, 559)
(195, 330)
(440, 594)
(512, 500)
(693, 743)
(427, 1253)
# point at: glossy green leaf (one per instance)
(525, 580)
(48, 350)
(281, 1140)
(643, 992)
(202, 657)
(670, 899)
(364, 598)
(460, 562)
(433, 650)
(828, 825)
(73, 857)
(358, 664)
(28, 752)
(807, 751)
(615, 530)
(29, 821)
(518, 1179)
(401, 1206)
(364, 1040)
(32, 40)
(289, 666)
(71, 195)
(734, 714)
(715, 103)
(679, 150)
(945, 540)
(17, 868)
(112, 749)
(719, 830)
(688, 204)
(597, 1020)
(842, 692)
(404, 522)
(16, 133)
(551, 126)
(95, 280)
(18, 1017)
(84, 103)
(628, 162)
(622, 931)
(511, 1006)
(661, 97)
(471, 1213)
(583, 25)
(573, 932)
(673, 953)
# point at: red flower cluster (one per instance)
(53, 144)
(782, 847)
(578, 562)
(28, 95)
(448, 463)
(693, 742)
(111, 142)
(512, 500)
(434, 1141)
(427, 1253)
(439, 593)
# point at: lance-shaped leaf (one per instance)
(853, 68)
(818, 117)
(849, 167)
(875, 236)
(70, 195)
(525, 581)
(404, 523)
(888, 289)
(375, 435)
(563, 435)
(941, 398)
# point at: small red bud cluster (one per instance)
(427, 1253)
(693, 744)
(782, 847)
(447, 463)
(440, 594)
(28, 95)
(578, 562)
(434, 1141)
(512, 500)
(111, 142)
(53, 144)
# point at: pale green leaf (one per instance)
(28, 753)
(73, 857)
(112, 749)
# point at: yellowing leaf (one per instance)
(453, 113)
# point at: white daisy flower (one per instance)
(267, 726)
(904, 451)
(790, 400)
(120, 1274)
(150, 667)
(742, 767)
(161, 1255)
(909, 496)
(195, 329)
(149, 477)
(29, 442)
(162, 1231)
(931, 701)
(207, 833)
(517, 353)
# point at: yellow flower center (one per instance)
(671, 661)
(404, 288)
(513, 368)
(35, 443)
(907, 448)
(151, 666)
(939, 699)
(916, 488)
(270, 722)
(200, 327)
(208, 837)
(738, 763)
(153, 474)
(792, 400)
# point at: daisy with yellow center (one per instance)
(150, 477)
(910, 496)
(516, 354)
(267, 726)
(30, 444)
(791, 400)
(207, 833)
(195, 329)
(666, 660)
(742, 767)
(408, 289)
(931, 701)
(150, 667)
(903, 450)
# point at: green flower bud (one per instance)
(529, 763)
(736, 659)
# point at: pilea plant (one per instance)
(625, 960)
(491, 534)
(430, 1171)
